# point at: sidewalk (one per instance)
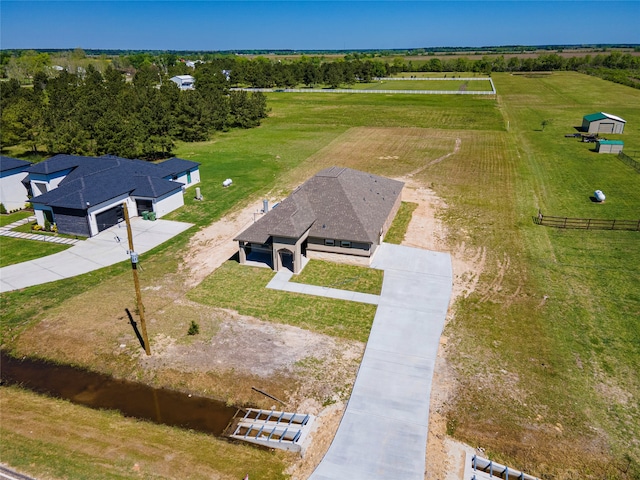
(281, 282)
(7, 231)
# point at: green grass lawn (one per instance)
(400, 224)
(13, 217)
(341, 277)
(242, 288)
(16, 250)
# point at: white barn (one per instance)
(602, 123)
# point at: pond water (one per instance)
(132, 399)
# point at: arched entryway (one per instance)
(286, 259)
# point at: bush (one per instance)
(3, 210)
(194, 328)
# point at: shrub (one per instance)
(3, 210)
(194, 328)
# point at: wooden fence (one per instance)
(586, 223)
(629, 161)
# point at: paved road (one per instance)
(383, 433)
(106, 248)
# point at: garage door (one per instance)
(109, 218)
(606, 128)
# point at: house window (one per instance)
(329, 242)
(345, 244)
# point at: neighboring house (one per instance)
(602, 123)
(184, 82)
(84, 195)
(609, 146)
(339, 214)
(13, 192)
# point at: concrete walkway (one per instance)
(107, 248)
(7, 231)
(281, 282)
(383, 433)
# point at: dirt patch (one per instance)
(214, 245)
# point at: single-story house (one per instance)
(84, 195)
(184, 82)
(339, 214)
(609, 146)
(602, 123)
(13, 193)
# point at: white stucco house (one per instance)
(184, 82)
(13, 192)
(84, 195)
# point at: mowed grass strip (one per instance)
(429, 85)
(242, 288)
(9, 218)
(39, 439)
(341, 277)
(400, 224)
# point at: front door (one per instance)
(286, 259)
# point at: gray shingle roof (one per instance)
(95, 180)
(9, 163)
(337, 203)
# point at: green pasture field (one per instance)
(438, 85)
(298, 126)
(545, 347)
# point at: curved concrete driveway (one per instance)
(107, 248)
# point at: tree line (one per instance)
(261, 72)
(91, 113)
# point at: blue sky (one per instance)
(298, 25)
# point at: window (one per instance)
(345, 244)
(329, 243)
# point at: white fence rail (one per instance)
(347, 90)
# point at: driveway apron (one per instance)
(383, 433)
(107, 248)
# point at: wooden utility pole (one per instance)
(136, 282)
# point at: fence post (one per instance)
(588, 224)
(613, 224)
(565, 222)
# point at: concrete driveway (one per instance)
(383, 433)
(107, 248)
